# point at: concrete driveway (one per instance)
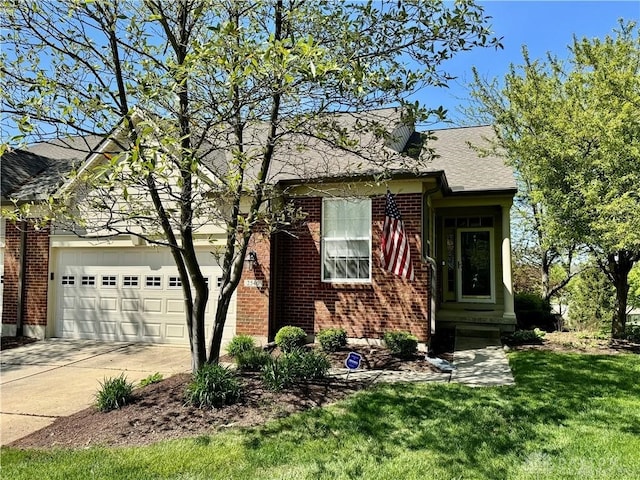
(51, 378)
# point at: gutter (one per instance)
(22, 284)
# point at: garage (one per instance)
(131, 294)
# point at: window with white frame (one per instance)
(153, 281)
(175, 282)
(88, 280)
(109, 281)
(346, 239)
(130, 281)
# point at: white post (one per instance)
(507, 282)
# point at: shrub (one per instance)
(276, 374)
(532, 311)
(314, 365)
(632, 333)
(332, 339)
(114, 392)
(520, 337)
(295, 366)
(155, 378)
(401, 344)
(240, 344)
(289, 338)
(213, 386)
(252, 360)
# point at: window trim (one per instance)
(323, 241)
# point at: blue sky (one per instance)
(543, 26)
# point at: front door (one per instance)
(474, 259)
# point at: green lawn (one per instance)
(568, 417)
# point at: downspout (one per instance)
(22, 271)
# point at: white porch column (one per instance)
(507, 282)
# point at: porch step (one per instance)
(480, 331)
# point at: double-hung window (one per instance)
(346, 239)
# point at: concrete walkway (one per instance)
(479, 362)
(51, 378)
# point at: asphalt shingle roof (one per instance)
(465, 168)
(36, 172)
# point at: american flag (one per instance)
(394, 253)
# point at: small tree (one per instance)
(591, 301)
(204, 97)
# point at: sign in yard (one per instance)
(353, 361)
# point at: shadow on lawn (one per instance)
(455, 424)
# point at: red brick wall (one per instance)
(364, 310)
(36, 275)
(252, 316)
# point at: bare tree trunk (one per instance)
(617, 268)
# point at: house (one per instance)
(323, 272)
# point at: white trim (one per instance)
(323, 241)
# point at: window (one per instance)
(68, 280)
(109, 281)
(346, 240)
(130, 281)
(219, 282)
(153, 281)
(88, 280)
(175, 282)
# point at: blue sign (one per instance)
(353, 361)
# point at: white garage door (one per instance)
(128, 294)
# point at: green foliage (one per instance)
(240, 344)
(289, 338)
(634, 286)
(153, 378)
(213, 386)
(401, 344)
(114, 392)
(591, 302)
(332, 339)
(295, 366)
(570, 128)
(521, 337)
(252, 360)
(632, 333)
(532, 311)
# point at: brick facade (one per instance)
(36, 279)
(364, 310)
(253, 294)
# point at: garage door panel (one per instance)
(86, 327)
(86, 303)
(175, 331)
(152, 331)
(152, 305)
(175, 305)
(130, 305)
(128, 294)
(130, 330)
(107, 327)
(109, 304)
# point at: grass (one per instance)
(568, 417)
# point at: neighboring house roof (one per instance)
(33, 174)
